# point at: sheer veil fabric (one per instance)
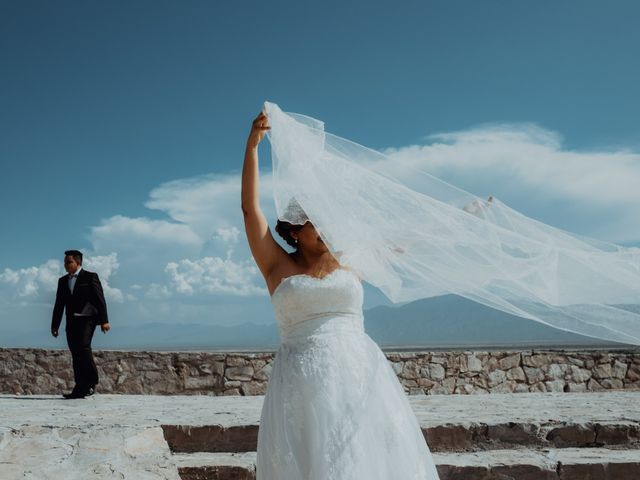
(415, 243)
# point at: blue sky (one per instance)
(123, 126)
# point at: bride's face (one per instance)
(309, 239)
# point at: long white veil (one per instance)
(414, 244)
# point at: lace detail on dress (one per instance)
(334, 409)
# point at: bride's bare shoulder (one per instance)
(281, 271)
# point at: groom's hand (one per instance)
(54, 333)
(105, 327)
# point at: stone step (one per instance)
(216, 465)
(450, 422)
(441, 438)
(547, 464)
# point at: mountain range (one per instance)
(445, 322)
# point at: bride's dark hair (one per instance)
(284, 229)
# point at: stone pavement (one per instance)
(162, 437)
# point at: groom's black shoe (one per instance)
(74, 394)
(90, 391)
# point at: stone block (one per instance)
(217, 368)
(576, 387)
(594, 386)
(533, 374)
(436, 372)
(579, 375)
(231, 392)
(235, 361)
(517, 373)
(254, 388)
(505, 387)
(474, 363)
(244, 373)
(555, 386)
(624, 471)
(509, 435)
(554, 371)
(449, 438)
(426, 383)
(264, 373)
(612, 384)
(573, 435)
(536, 360)
(491, 364)
(449, 384)
(617, 434)
(200, 383)
(522, 472)
(456, 472)
(509, 362)
(410, 370)
(465, 389)
(496, 377)
(633, 373)
(602, 371)
(463, 364)
(576, 361)
(257, 364)
(619, 370)
(583, 471)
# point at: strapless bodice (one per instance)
(305, 305)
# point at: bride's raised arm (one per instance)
(265, 250)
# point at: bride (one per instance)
(334, 408)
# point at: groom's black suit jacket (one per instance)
(86, 302)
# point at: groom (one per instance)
(80, 295)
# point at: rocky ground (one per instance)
(544, 435)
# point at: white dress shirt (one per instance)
(73, 278)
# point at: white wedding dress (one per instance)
(334, 408)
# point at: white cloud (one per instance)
(121, 230)
(207, 203)
(199, 248)
(214, 275)
(233, 273)
(37, 284)
(144, 246)
(533, 156)
(31, 282)
(205, 220)
(230, 235)
(528, 164)
(105, 266)
(157, 291)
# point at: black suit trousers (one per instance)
(79, 335)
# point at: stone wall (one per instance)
(37, 371)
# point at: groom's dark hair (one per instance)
(76, 254)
